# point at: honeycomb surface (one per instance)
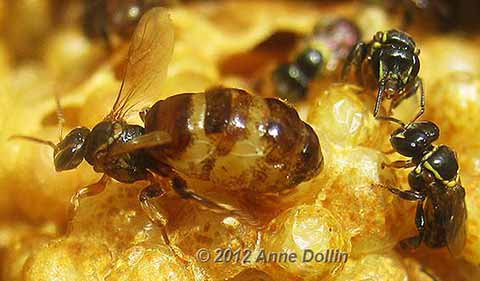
(224, 43)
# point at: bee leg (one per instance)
(400, 164)
(389, 152)
(60, 116)
(181, 188)
(143, 113)
(356, 56)
(88, 191)
(410, 195)
(146, 197)
(389, 119)
(414, 242)
(419, 86)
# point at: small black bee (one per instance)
(435, 185)
(104, 18)
(324, 49)
(392, 56)
(445, 14)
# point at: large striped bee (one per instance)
(226, 136)
(390, 64)
(321, 53)
(435, 186)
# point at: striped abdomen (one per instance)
(235, 139)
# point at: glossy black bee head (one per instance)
(415, 139)
(69, 153)
(395, 60)
(397, 38)
(395, 68)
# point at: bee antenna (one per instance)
(60, 117)
(33, 139)
(379, 99)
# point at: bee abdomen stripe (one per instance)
(226, 117)
(217, 112)
(172, 116)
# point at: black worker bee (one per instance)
(390, 64)
(321, 53)
(435, 184)
(106, 18)
(224, 135)
(445, 14)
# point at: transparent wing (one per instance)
(456, 228)
(151, 49)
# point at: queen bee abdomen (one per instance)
(235, 140)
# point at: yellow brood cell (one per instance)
(343, 115)
(252, 275)
(119, 242)
(369, 213)
(140, 263)
(69, 259)
(469, 159)
(453, 106)
(310, 233)
(472, 248)
(373, 19)
(235, 26)
(441, 55)
(193, 229)
(374, 267)
(69, 47)
(18, 241)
